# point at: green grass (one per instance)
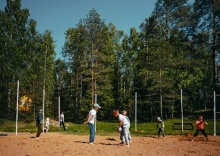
(107, 128)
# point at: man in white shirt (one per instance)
(90, 120)
(124, 124)
(62, 121)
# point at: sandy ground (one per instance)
(61, 144)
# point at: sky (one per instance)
(59, 15)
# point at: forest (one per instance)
(176, 48)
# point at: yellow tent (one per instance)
(24, 103)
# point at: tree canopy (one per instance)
(176, 48)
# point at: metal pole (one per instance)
(17, 108)
(182, 108)
(96, 114)
(45, 67)
(59, 113)
(43, 103)
(135, 111)
(214, 110)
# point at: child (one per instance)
(200, 125)
(124, 124)
(47, 124)
(160, 127)
(124, 112)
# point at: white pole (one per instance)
(17, 108)
(182, 108)
(214, 109)
(59, 113)
(45, 66)
(43, 105)
(135, 111)
(96, 114)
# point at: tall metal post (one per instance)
(96, 114)
(59, 113)
(182, 108)
(214, 110)
(135, 111)
(17, 108)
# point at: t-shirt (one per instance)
(93, 113)
(124, 120)
(39, 119)
(47, 123)
(62, 117)
(160, 124)
(127, 118)
(199, 124)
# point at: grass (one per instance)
(107, 128)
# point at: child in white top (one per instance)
(47, 124)
(124, 124)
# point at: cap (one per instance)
(41, 110)
(158, 118)
(96, 105)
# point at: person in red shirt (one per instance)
(200, 127)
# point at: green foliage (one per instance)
(176, 48)
(27, 56)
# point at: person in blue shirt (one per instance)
(39, 123)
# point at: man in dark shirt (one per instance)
(39, 123)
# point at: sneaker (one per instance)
(127, 145)
(91, 143)
(121, 142)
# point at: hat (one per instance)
(41, 110)
(96, 105)
(158, 118)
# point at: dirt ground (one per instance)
(61, 144)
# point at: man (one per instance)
(62, 121)
(160, 127)
(124, 124)
(90, 120)
(39, 123)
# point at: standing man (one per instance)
(160, 127)
(39, 123)
(90, 120)
(62, 121)
(124, 124)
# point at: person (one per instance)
(160, 127)
(124, 112)
(39, 123)
(62, 121)
(90, 120)
(47, 124)
(200, 127)
(124, 124)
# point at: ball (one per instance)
(118, 129)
